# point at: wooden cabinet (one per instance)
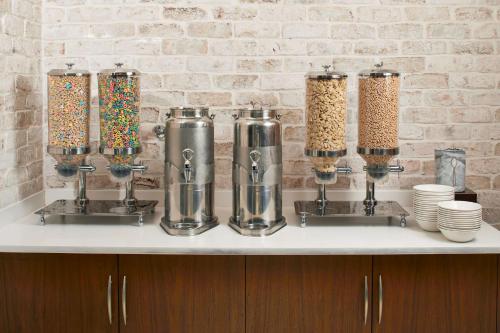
(434, 293)
(307, 294)
(182, 294)
(58, 293)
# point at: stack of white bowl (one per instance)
(425, 203)
(459, 221)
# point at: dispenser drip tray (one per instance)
(331, 211)
(99, 208)
(188, 227)
(257, 227)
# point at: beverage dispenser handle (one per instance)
(255, 158)
(159, 131)
(188, 154)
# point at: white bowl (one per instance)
(459, 236)
(433, 194)
(460, 220)
(428, 226)
(476, 228)
(433, 197)
(459, 225)
(462, 206)
(433, 188)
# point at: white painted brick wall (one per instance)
(21, 166)
(227, 54)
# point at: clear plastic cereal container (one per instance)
(119, 103)
(68, 95)
(378, 118)
(326, 109)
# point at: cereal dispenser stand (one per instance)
(326, 108)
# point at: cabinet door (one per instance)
(292, 294)
(53, 293)
(182, 294)
(434, 293)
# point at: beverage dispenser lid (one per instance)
(119, 71)
(69, 71)
(259, 113)
(378, 71)
(328, 73)
(188, 112)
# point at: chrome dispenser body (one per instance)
(257, 173)
(189, 171)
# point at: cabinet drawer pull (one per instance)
(366, 299)
(110, 294)
(380, 298)
(124, 300)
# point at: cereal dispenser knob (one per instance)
(70, 65)
(380, 64)
(119, 64)
(327, 68)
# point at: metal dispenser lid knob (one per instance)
(328, 73)
(120, 71)
(379, 71)
(69, 71)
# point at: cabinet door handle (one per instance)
(366, 299)
(110, 294)
(124, 300)
(380, 298)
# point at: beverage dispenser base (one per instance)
(188, 228)
(383, 211)
(115, 208)
(258, 227)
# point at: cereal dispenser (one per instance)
(377, 141)
(257, 173)
(378, 124)
(68, 123)
(189, 171)
(326, 110)
(119, 102)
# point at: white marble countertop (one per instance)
(122, 236)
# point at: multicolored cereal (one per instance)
(119, 98)
(68, 110)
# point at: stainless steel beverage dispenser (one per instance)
(189, 171)
(257, 173)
